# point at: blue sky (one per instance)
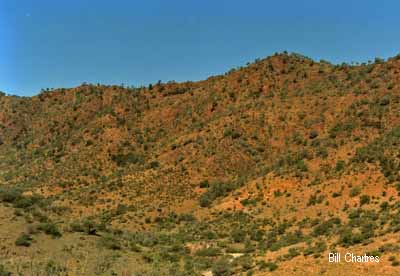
(48, 43)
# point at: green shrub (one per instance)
(10, 195)
(340, 165)
(229, 132)
(315, 199)
(126, 159)
(53, 268)
(384, 206)
(216, 190)
(23, 240)
(245, 262)
(271, 266)
(293, 252)
(86, 226)
(346, 127)
(394, 261)
(238, 235)
(15, 196)
(205, 200)
(3, 271)
(385, 100)
(285, 240)
(364, 199)
(50, 229)
(221, 268)
(355, 191)
(204, 184)
(208, 252)
(325, 228)
(319, 247)
(348, 238)
(374, 253)
(26, 201)
(248, 201)
(154, 164)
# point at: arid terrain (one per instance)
(264, 170)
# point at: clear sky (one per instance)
(62, 43)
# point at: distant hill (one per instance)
(282, 161)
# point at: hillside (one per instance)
(261, 171)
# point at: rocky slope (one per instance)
(282, 161)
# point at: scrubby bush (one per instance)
(293, 252)
(238, 235)
(229, 132)
(319, 247)
(216, 190)
(3, 271)
(27, 201)
(384, 206)
(355, 191)
(129, 158)
(221, 268)
(10, 195)
(325, 228)
(271, 266)
(53, 268)
(23, 240)
(348, 237)
(15, 196)
(208, 252)
(50, 229)
(340, 164)
(204, 184)
(315, 199)
(154, 164)
(285, 240)
(86, 226)
(365, 199)
(398, 187)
